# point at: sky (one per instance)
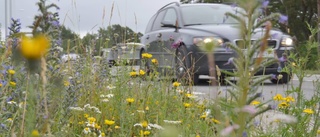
(86, 16)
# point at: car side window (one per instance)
(170, 17)
(157, 22)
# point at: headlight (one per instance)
(286, 41)
(200, 41)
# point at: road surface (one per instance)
(268, 90)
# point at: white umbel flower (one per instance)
(172, 122)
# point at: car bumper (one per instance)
(222, 60)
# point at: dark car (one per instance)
(173, 33)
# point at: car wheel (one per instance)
(184, 67)
(284, 80)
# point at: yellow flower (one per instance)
(308, 111)
(289, 99)
(255, 102)
(293, 64)
(34, 48)
(188, 95)
(133, 74)
(9, 119)
(66, 83)
(86, 115)
(109, 122)
(215, 121)
(154, 61)
(91, 119)
(141, 72)
(147, 108)
(116, 127)
(197, 135)
(130, 100)
(12, 83)
(35, 133)
(203, 116)
(10, 71)
(102, 134)
(0, 84)
(283, 105)
(146, 55)
(97, 126)
(146, 133)
(186, 105)
(176, 84)
(144, 124)
(81, 122)
(318, 131)
(278, 97)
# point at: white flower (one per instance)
(172, 122)
(86, 130)
(92, 124)
(284, 118)
(139, 124)
(76, 108)
(208, 111)
(109, 95)
(156, 126)
(140, 111)
(111, 87)
(12, 103)
(59, 48)
(86, 105)
(102, 96)
(105, 100)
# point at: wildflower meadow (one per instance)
(42, 95)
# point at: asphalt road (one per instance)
(268, 90)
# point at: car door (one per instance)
(152, 38)
(169, 35)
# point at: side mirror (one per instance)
(168, 24)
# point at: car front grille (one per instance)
(271, 43)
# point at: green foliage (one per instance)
(85, 97)
(106, 38)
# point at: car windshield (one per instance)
(207, 14)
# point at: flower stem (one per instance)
(44, 92)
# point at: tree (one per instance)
(69, 38)
(109, 37)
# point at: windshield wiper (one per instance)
(193, 24)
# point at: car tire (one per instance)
(286, 77)
(183, 69)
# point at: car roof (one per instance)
(175, 4)
(204, 4)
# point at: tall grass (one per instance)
(85, 97)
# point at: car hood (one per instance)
(232, 32)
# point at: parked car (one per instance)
(124, 54)
(174, 31)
